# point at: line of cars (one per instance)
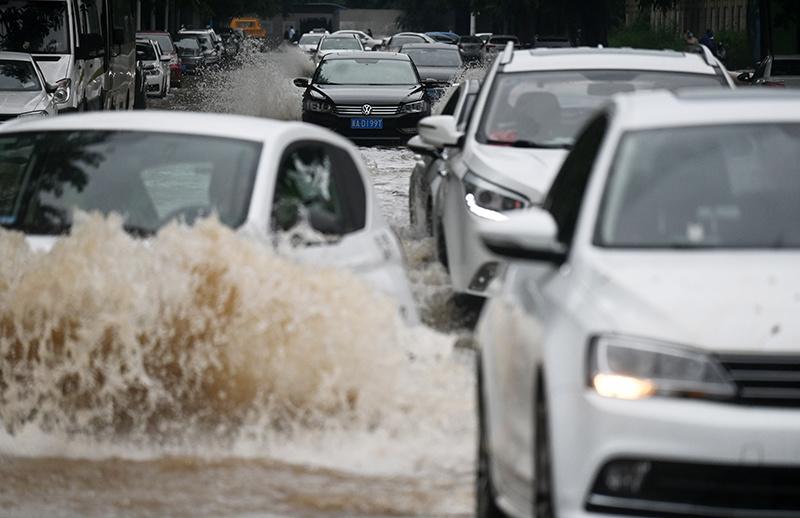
(632, 220)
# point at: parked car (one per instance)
(336, 44)
(153, 170)
(471, 48)
(25, 92)
(396, 42)
(444, 37)
(497, 42)
(366, 95)
(776, 72)
(251, 26)
(366, 40)
(426, 176)
(308, 42)
(643, 356)
(169, 51)
(532, 105)
(192, 56)
(208, 45)
(155, 66)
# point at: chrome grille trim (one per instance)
(763, 379)
(355, 110)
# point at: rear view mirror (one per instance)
(530, 234)
(301, 82)
(439, 131)
(418, 146)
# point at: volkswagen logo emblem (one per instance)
(366, 109)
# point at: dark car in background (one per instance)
(471, 48)
(191, 54)
(782, 71)
(497, 43)
(396, 42)
(439, 64)
(366, 95)
(168, 50)
(444, 37)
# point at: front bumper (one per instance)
(395, 127)
(674, 458)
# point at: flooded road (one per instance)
(343, 412)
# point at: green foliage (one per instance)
(640, 35)
(661, 5)
(738, 48)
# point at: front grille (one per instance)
(659, 488)
(767, 380)
(356, 110)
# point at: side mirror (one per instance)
(439, 131)
(530, 234)
(301, 82)
(745, 77)
(418, 146)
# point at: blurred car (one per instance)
(232, 40)
(425, 177)
(192, 57)
(140, 87)
(497, 42)
(319, 30)
(471, 48)
(270, 180)
(643, 357)
(484, 36)
(366, 40)
(308, 42)
(169, 51)
(553, 42)
(337, 44)
(24, 91)
(533, 104)
(251, 26)
(155, 66)
(438, 64)
(782, 71)
(208, 45)
(366, 95)
(444, 37)
(396, 42)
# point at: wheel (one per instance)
(543, 506)
(485, 503)
(441, 246)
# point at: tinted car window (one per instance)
(34, 26)
(434, 57)
(365, 71)
(145, 52)
(399, 41)
(705, 187)
(340, 44)
(786, 67)
(309, 39)
(18, 76)
(148, 178)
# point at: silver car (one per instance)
(24, 92)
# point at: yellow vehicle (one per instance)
(251, 26)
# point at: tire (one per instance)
(485, 503)
(543, 506)
(441, 246)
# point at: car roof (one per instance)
(583, 58)
(441, 46)
(410, 34)
(15, 56)
(366, 54)
(160, 33)
(701, 107)
(187, 123)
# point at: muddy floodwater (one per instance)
(190, 376)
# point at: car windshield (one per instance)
(18, 76)
(309, 39)
(34, 26)
(163, 40)
(399, 41)
(145, 52)
(434, 57)
(469, 39)
(366, 71)
(188, 46)
(547, 109)
(149, 179)
(340, 44)
(786, 67)
(705, 187)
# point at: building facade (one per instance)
(695, 15)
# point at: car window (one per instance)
(309, 39)
(566, 194)
(340, 44)
(45, 31)
(18, 76)
(145, 52)
(452, 102)
(761, 69)
(163, 40)
(733, 186)
(466, 111)
(365, 71)
(785, 67)
(320, 185)
(434, 57)
(149, 179)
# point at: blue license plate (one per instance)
(366, 123)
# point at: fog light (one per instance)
(625, 477)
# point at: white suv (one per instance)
(531, 106)
(645, 360)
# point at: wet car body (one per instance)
(638, 270)
(438, 64)
(779, 71)
(169, 51)
(191, 165)
(389, 110)
(192, 58)
(24, 92)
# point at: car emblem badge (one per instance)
(366, 109)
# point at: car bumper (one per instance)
(395, 127)
(674, 457)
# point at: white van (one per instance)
(85, 47)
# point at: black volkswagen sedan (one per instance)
(366, 95)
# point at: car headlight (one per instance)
(633, 368)
(415, 107)
(316, 105)
(488, 200)
(63, 91)
(38, 114)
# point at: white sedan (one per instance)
(25, 91)
(287, 182)
(645, 359)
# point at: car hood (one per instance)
(54, 70)
(526, 171)
(444, 74)
(380, 95)
(20, 102)
(306, 48)
(723, 301)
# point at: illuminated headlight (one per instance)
(632, 368)
(415, 107)
(38, 114)
(487, 200)
(63, 91)
(316, 105)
